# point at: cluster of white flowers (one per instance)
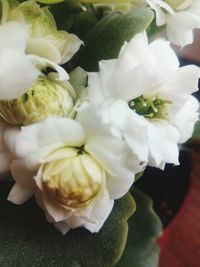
(78, 146)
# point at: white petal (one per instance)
(91, 122)
(186, 119)
(132, 126)
(15, 78)
(52, 131)
(182, 83)
(18, 195)
(72, 45)
(56, 212)
(165, 57)
(42, 48)
(94, 88)
(13, 35)
(92, 217)
(36, 141)
(133, 53)
(163, 139)
(43, 63)
(187, 78)
(141, 80)
(62, 227)
(180, 27)
(100, 212)
(22, 174)
(157, 6)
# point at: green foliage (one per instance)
(28, 240)
(108, 36)
(141, 249)
(194, 140)
(196, 133)
(84, 22)
(70, 16)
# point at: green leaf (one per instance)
(26, 239)
(196, 133)
(108, 36)
(64, 13)
(84, 22)
(141, 249)
(194, 140)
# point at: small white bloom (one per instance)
(140, 95)
(75, 169)
(44, 38)
(180, 17)
(19, 71)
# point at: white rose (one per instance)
(140, 95)
(75, 169)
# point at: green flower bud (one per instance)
(50, 1)
(179, 5)
(44, 38)
(118, 5)
(107, 1)
(72, 177)
(45, 98)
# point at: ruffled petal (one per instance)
(13, 35)
(15, 78)
(163, 139)
(186, 119)
(180, 27)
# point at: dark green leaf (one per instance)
(196, 133)
(108, 36)
(65, 12)
(84, 22)
(26, 239)
(194, 141)
(141, 249)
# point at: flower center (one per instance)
(179, 5)
(152, 108)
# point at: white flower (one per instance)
(180, 17)
(44, 38)
(17, 72)
(142, 95)
(75, 169)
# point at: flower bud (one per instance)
(116, 5)
(45, 98)
(50, 1)
(179, 5)
(44, 38)
(73, 181)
